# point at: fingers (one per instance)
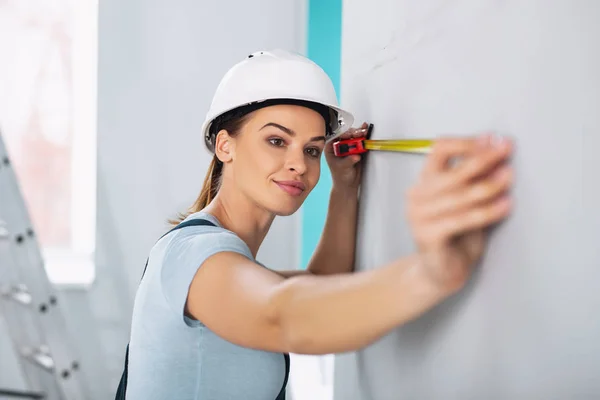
(350, 160)
(480, 163)
(476, 218)
(476, 156)
(355, 132)
(452, 199)
(446, 149)
(496, 151)
(478, 193)
(440, 231)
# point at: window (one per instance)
(48, 121)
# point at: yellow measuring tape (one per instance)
(400, 145)
(359, 145)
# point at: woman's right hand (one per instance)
(453, 203)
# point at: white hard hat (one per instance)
(268, 77)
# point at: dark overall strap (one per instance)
(281, 395)
(122, 389)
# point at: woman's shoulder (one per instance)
(208, 236)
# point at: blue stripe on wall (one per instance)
(323, 47)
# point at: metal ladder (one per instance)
(29, 304)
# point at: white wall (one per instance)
(159, 64)
(526, 326)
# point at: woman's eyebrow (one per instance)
(291, 132)
(283, 128)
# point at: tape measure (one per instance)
(360, 145)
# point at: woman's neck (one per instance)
(238, 214)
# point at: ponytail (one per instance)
(210, 188)
(211, 185)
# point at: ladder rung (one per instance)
(18, 293)
(40, 357)
(20, 394)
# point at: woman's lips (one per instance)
(295, 188)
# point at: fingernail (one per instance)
(483, 141)
(498, 141)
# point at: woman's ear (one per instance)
(224, 146)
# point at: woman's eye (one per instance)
(276, 141)
(313, 152)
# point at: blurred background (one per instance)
(101, 104)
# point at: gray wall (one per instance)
(158, 67)
(526, 327)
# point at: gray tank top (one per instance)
(174, 357)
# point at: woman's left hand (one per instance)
(346, 171)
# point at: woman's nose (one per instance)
(296, 162)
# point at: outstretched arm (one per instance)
(251, 306)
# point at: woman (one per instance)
(211, 322)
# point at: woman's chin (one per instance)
(287, 208)
(285, 211)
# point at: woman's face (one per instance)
(276, 158)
